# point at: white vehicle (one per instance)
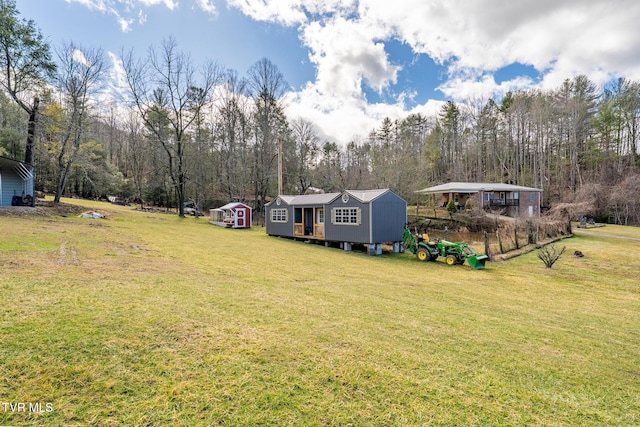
(190, 208)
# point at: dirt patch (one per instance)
(43, 208)
(67, 255)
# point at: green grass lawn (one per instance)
(152, 320)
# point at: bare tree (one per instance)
(267, 87)
(307, 148)
(232, 130)
(79, 77)
(169, 95)
(624, 200)
(136, 154)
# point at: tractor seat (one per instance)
(425, 238)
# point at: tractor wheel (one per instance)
(451, 260)
(422, 254)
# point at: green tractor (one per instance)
(420, 246)
(452, 252)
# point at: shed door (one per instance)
(240, 217)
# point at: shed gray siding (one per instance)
(279, 228)
(348, 232)
(382, 216)
(11, 183)
(389, 215)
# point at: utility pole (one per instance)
(279, 166)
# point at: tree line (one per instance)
(205, 133)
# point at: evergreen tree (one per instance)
(25, 65)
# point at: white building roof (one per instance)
(234, 205)
(473, 187)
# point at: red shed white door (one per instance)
(240, 217)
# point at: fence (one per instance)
(495, 236)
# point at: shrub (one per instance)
(549, 255)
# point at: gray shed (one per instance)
(16, 183)
(368, 217)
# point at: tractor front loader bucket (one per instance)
(477, 261)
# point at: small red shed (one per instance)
(231, 215)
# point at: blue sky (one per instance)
(350, 63)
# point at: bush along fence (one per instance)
(524, 235)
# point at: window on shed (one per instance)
(279, 215)
(346, 216)
(320, 216)
(532, 197)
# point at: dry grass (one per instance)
(148, 319)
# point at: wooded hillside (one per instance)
(180, 132)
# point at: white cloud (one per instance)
(114, 99)
(79, 57)
(287, 12)
(556, 37)
(293, 12)
(125, 24)
(100, 5)
(124, 11)
(482, 87)
(345, 53)
(142, 17)
(472, 39)
(207, 6)
(117, 71)
(170, 4)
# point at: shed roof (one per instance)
(367, 195)
(473, 187)
(234, 205)
(315, 199)
(364, 196)
(22, 169)
(305, 199)
(6, 161)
